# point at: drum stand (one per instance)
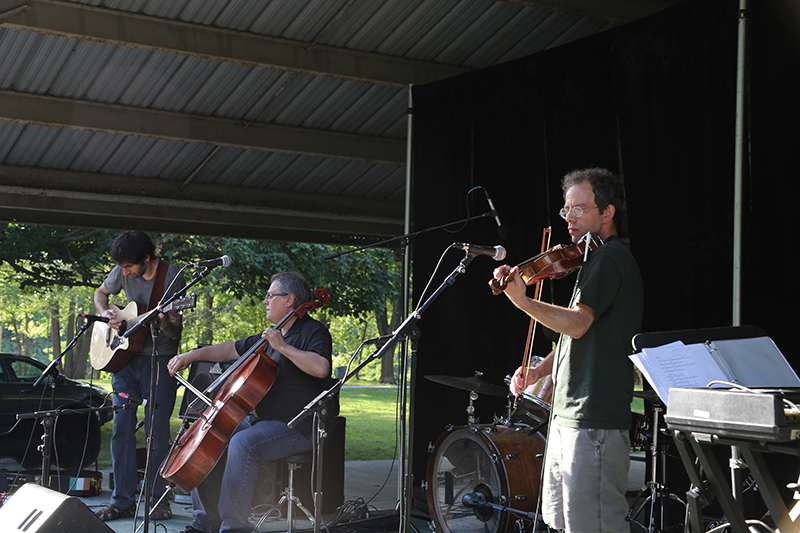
(655, 493)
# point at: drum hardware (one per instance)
(476, 385)
(655, 496)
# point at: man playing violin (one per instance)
(302, 350)
(587, 459)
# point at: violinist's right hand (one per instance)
(519, 381)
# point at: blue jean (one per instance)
(134, 380)
(222, 502)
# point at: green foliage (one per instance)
(44, 256)
(41, 264)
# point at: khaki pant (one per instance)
(585, 480)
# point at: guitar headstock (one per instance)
(187, 302)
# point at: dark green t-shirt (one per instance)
(593, 375)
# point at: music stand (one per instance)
(658, 489)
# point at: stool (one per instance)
(293, 462)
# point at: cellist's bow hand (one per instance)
(178, 363)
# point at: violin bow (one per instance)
(526, 360)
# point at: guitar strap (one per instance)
(136, 341)
(158, 285)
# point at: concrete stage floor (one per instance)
(374, 482)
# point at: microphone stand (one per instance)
(48, 420)
(404, 488)
(405, 330)
(48, 417)
(503, 508)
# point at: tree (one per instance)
(59, 263)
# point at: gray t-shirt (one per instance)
(138, 290)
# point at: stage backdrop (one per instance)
(654, 101)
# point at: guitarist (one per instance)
(144, 278)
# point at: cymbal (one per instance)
(474, 383)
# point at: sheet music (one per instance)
(752, 362)
(677, 365)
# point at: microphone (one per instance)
(491, 206)
(473, 500)
(500, 229)
(132, 399)
(498, 253)
(94, 318)
(225, 261)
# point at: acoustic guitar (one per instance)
(109, 351)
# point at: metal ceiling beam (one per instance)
(111, 118)
(83, 199)
(151, 33)
(612, 10)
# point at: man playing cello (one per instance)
(302, 350)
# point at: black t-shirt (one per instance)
(293, 388)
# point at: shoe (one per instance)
(161, 511)
(112, 512)
(190, 529)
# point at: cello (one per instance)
(243, 386)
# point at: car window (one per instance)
(26, 371)
(4, 377)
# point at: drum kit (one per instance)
(486, 477)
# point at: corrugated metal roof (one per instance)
(60, 64)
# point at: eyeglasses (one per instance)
(577, 211)
(269, 296)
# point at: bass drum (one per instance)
(501, 463)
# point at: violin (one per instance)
(552, 264)
(196, 451)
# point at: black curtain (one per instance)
(653, 101)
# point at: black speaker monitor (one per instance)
(35, 509)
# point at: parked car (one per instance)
(76, 436)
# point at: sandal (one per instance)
(112, 512)
(161, 512)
